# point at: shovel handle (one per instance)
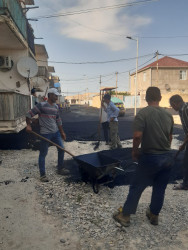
(51, 142)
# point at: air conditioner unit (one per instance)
(5, 62)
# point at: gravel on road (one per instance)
(76, 209)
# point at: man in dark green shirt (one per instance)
(153, 127)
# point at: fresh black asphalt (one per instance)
(80, 123)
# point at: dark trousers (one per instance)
(152, 170)
(185, 168)
(55, 137)
(105, 126)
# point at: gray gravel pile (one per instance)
(90, 215)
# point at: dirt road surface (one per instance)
(23, 224)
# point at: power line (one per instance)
(102, 62)
(140, 64)
(78, 12)
(162, 37)
(114, 72)
(102, 31)
(123, 72)
(162, 54)
(77, 92)
(82, 79)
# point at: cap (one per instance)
(53, 91)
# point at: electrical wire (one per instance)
(102, 62)
(124, 72)
(162, 37)
(102, 31)
(78, 12)
(77, 92)
(113, 74)
(162, 54)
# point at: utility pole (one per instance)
(157, 53)
(136, 80)
(129, 81)
(116, 82)
(100, 88)
(87, 91)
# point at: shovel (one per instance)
(51, 142)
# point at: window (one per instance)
(183, 74)
(144, 76)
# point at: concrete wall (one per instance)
(165, 98)
(9, 78)
(96, 102)
(167, 79)
(141, 84)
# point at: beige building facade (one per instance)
(16, 43)
(169, 74)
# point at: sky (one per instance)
(74, 40)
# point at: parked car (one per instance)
(119, 104)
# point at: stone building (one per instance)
(167, 73)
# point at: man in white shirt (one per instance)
(105, 123)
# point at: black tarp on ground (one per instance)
(123, 155)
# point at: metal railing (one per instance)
(30, 38)
(13, 9)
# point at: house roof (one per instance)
(166, 62)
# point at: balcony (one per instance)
(13, 108)
(12, 9)
(43, 72)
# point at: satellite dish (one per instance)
(27, 67)
(38, 82)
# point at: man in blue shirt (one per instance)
(112, 114)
